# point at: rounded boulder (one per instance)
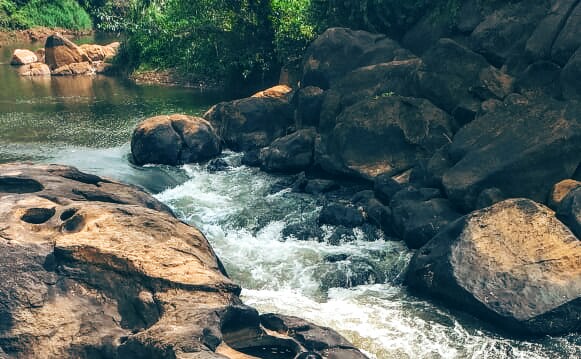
(173, 140)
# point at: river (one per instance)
(87, 122)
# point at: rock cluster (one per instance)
(94, 268)
(62, 57)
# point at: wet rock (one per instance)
(289, 154)
(568, 40)
(217, 165)
(486, 264)
(488, 197)
(560, 190)
(341, 214)
(387, 135)
(569, 76)
(522, 149)
(23, 57)
(351, 272)
(318, 186)
(457, 79)
(569, 211)
(309, 100)
(251, 158)
(303, 231)
(252, 122)
(384, 187)
(416, 217)
(60, 51)
(35, 69)
(339, 50)
(74, 69)
(173, 140)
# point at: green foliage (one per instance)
(293, 29)
(7, 20)
(56, 13)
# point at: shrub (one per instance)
(57, 13)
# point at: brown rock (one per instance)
(98, 52)
(40, 54)
(77, 68)
(34, 69)
(173, 140)
(89, 271)
(23, 57)
(513, 263)
(560, 190)
(279, 91)
(60, 51)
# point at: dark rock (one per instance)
(387, 135)
(292, 153)
(339, 50)
(505, 31)
(341, 235)
(570, 77)
(379, 215)
(370, 82)
(340, 214)
(385, 187)
(486, 264)
(217, 165)
(569, 211)
(488, 197)
(438, 165)
(251, 158)
(469, 16)
(252, 122)
(539, 45)
(457, 79)
(352, 272)
(521, 149)
(174, 140)
(317, 186)
(568, 40)
(309, 100)
(416, 221)
(541, 79)
(425, 33)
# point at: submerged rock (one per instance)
(513, 263)
(92, 269)
(173, 140)
(34, 69)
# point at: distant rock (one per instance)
(173, 140)
(23, 57)
(60, 51)
(34, 69)
(513, 264)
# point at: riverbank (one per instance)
(38, 34)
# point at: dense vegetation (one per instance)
(18, 14)
(233, 40)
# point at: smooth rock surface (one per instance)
(513, 263)
(23, 57)
(60, 51)
(173, 140)
(289, 154)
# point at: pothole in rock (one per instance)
(19, 185)
(38, 215)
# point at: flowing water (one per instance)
(87, 122)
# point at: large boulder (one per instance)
(173, 140)
(89, 277)
(339, 50)
(100, 52)
(568, 40)
(308, 100)
(522, 148)
(382, 135)
(23, 57)
(252, 122)
(560, 191)
(292, 153)
(539, 45)
(513, 263)
(60, 51)
(457, 79)
(503, 34)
